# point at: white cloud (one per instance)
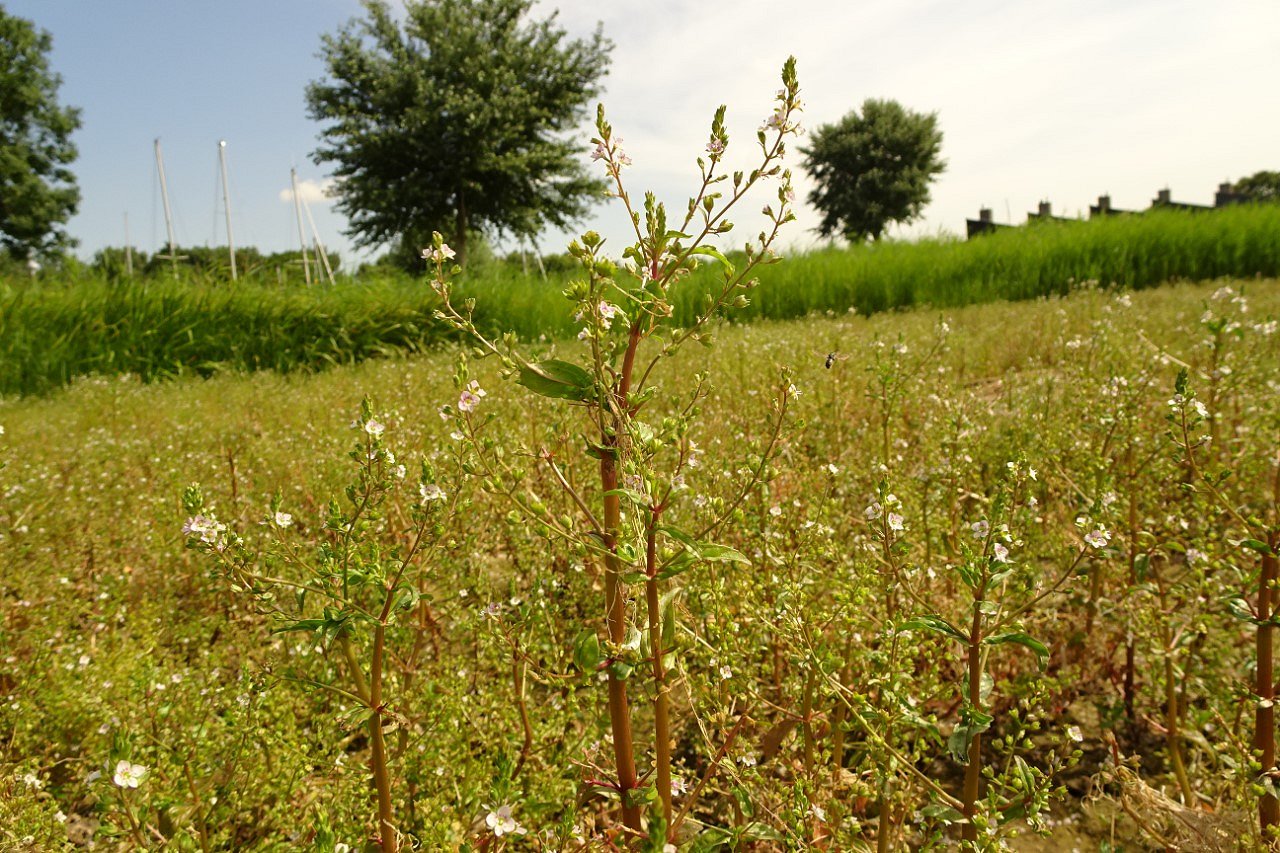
(310, 191)
(1061, 100)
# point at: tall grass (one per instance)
(51, 332)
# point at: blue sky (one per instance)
(1037, 100)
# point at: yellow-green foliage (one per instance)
(115, 644)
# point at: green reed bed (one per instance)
(52, 332)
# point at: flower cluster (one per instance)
(438, 256)
(207, 529)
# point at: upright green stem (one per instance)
(1173, 722)
(973, 772)
(661, 690)
(1130, 664)
(381, 775)
(366, 691)
(615, 593)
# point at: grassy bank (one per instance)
(51, 332)
(117, 644)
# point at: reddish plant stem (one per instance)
(661, 690)
(615, 593)
(1264, 739)
(973, 772)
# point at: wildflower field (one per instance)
(1031, 469)
(948, 578)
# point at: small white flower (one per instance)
(818, 812)
(1098, 538)
(502, 823)
(726, 672)
(979, 529)
(374, 428)
(1194, 555)
(896, 522)
(283, 519)
(438, 256)
(1000, 552)
(128, 775)
(31, 780)
(873, 510)
(1075, 734)
(431, 492)
(775, 510)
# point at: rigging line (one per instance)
(155, 200)
(217, 189)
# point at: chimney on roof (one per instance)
(1164, 196)
(1104, 203)
(984, 214)
(1046, 210)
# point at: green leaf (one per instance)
(1021, 639)
(712, 252)
(679, 564)
(942, 812)
(936, 624)
(1240, 609)
(631, 495)
(586, 651)
(1256, 545)
(721, 554)
(972, 723)
(559, 379)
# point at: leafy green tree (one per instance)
(38, 193)
(873, 168)
(454, 120)
(1260, 186)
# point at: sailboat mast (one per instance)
(302, 237)
(315, 235)
(128, 248)
(226, 203)
(168, 213)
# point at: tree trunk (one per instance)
(461, 226)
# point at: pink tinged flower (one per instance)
(470, 397)
(208, 529)
(374, 428)
(283, 519)
(128, 775)
(979, 529)
(502, 823)
(431, 492)
(600, 152)
(873, 510)
(715, 146)
(1098, 538)
(436, 256)
(895, 521)
(607, 313)
(1000, 553)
